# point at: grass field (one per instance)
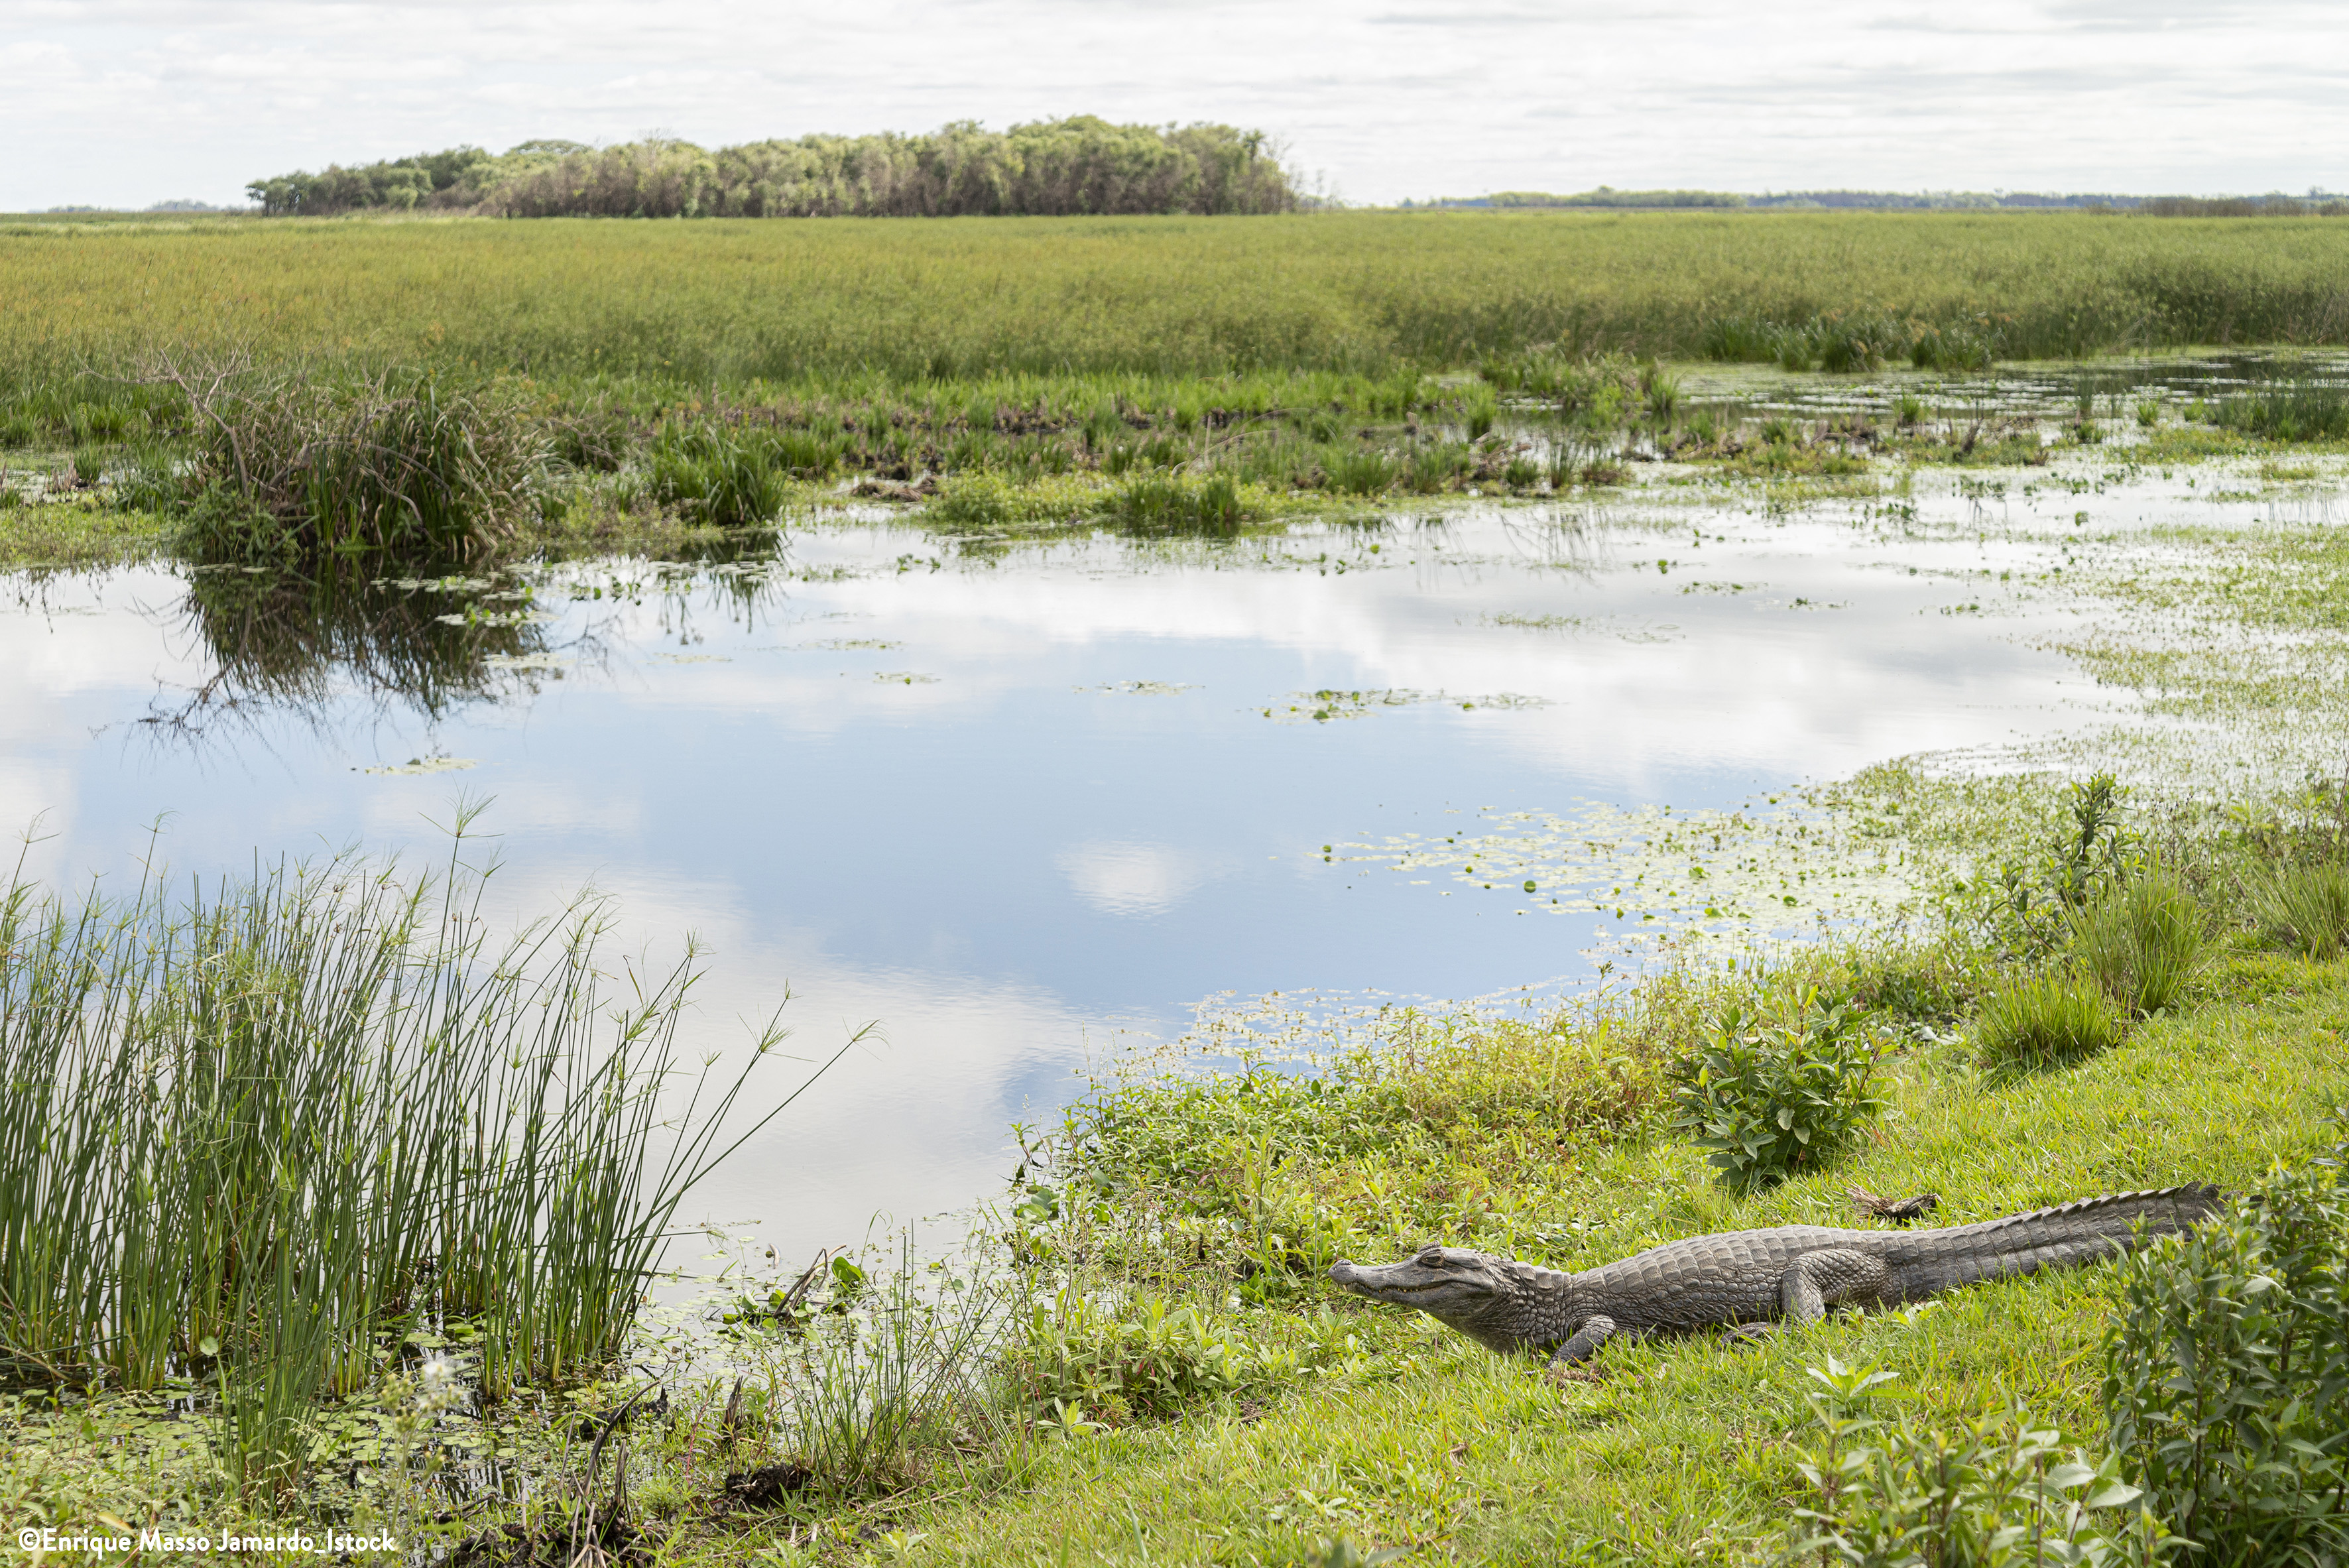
(840, 300)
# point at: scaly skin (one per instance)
(1747, 1279)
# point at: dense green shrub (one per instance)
(2045, 1019)
(1998, 1492)
(1779, 1087)
(2227, 1377)
(2306, 908)
(2140, 942)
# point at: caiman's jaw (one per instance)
(1470, 1291)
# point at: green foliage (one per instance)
(889, 1373)
(2140, 942)
(1779, 1087)
(2227, 1375)
(2030, 906)
(456, 177)
(2044, 1020)
(1995, 1490)
(1359, 470)
(2306, 908)
(1373, 294)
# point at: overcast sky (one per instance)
(126, 102)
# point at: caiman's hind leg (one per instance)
(1817, 1281)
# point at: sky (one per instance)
(127, 102)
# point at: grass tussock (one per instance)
(2141, 942)
(2045, 1019)
(2306, 908)
(404, 464)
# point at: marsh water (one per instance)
(1020, 804)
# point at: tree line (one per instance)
(1082, 165)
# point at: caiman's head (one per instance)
(1501, 1304)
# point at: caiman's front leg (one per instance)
(1593, 1333)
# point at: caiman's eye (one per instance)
(1431, 1258)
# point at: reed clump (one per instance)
(261, 1131)
(404, 463)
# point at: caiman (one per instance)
(1746, 1280)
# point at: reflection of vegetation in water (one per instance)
(280, 639)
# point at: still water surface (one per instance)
(1013, 802)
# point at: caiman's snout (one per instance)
(1344, 1275)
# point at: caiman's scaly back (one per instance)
(1745, 1279)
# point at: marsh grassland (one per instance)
(376, 1236)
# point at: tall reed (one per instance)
(260, 1130)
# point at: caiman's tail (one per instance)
(2061, 1237)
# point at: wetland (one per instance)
(1192, 824)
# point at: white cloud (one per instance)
(127, 102)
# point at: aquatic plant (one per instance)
(334, 1110)
(402, 463)
(679, 309)
(1182, 503)
(2287, 408)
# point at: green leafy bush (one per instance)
(2227, 1377)
(1779, 1087)
(1082, 1362)
(2140, 942)
(2045, 1019)
(1998, 1492)
(2306, 908)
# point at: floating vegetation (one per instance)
(1780, 865)
(691, 658)
(529, 662)
(1321, 706)
(904, 678)
(424, 765)
(1139, 689)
